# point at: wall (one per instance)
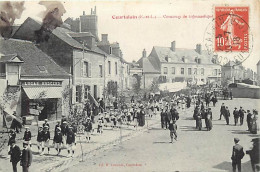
(208, 71)
(246, 93)
(95, 60)
(113, 76)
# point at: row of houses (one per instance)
(66, 67)
(194, 66)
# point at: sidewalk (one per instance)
(52, 162)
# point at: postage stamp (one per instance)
(228, 37)
(231, 29)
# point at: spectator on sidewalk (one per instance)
(40, 139)
(237, 155)
(254, 153)
(249, 120)
(46, 139)
(12, 136)
(26, 158)
(57, 140)
(27, 136)
(209, 119)
(100, 126)
(70, 142)
(15, 154)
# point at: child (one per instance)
(57, 140)
(70, 142)
(46, 139)
(173, 130)
(27, 136)
(40, 138)
(88, 128)
(100, 127)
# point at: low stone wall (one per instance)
(246, 93)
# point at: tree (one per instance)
(154, 86)
(137, 84)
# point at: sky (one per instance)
(134, 35)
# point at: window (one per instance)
(189, 71)
(166, 58)
(165, 70)
(195, 71)
(100, 71)
(110, 50)
(116, 67)
(173, 70)
(202, 71)
(2, 69)
(219, 72)
(182, 71)
(87, 69)
(215, 72)
(87, 90)
(109, 67)
(78, 93)
(183, 59)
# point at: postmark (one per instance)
(228, 37)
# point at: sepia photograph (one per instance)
(129, 85)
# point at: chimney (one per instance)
(198, 48)
(104, 37)
(173, 45)
(95, 11)
(84, 13)
(91, 11)
(144, 53)
(90, 41)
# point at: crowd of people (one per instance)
(133, 114)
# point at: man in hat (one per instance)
(88, 128)
(236, 115)
(57, 140)
(249, 120)
(241, 113)
(12, 136)
(227, 115)
(46, 124)
(222, 111)
(70, 141)
(237, 155)
(40, 138)
(46, 139)
(26, 158)
(27, 136)
(254, 153)
(15, 154)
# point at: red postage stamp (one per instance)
(232, 29)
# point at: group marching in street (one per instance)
(97, 118)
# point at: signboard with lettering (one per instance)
(42, 83)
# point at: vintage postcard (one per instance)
(129, 85)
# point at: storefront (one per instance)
(42, 99)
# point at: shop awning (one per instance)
(43, 92)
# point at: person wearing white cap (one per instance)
(46, 139)
(88, 128)
(27, 136)
(57, 140)
(46, 124)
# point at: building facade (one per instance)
(171, 64)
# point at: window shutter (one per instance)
(89, 69)
(82, 67)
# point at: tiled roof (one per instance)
(176, 56)
(148, 67)
(80, 34)
(33, 58)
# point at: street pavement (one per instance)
(194, 151)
